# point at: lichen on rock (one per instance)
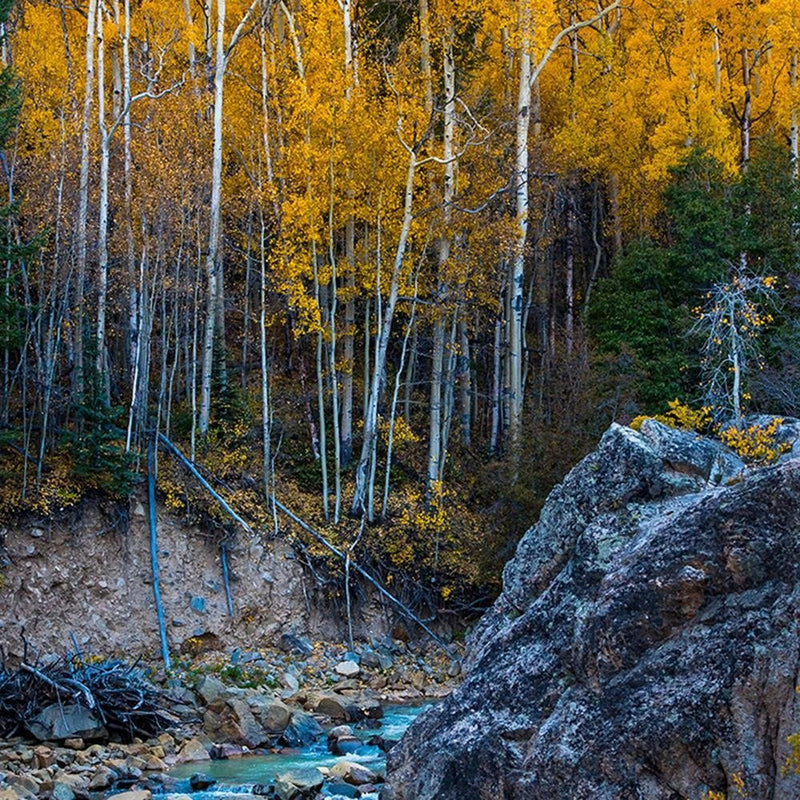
(645, 644)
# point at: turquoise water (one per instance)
(237, 776)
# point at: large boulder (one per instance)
(274, 715)
(67, 721)
(232, 721)
(645, 644)
(301, 731)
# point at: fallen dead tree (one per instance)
(71, 698)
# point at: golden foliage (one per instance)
(680, 415)
(756, 444)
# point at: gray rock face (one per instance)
(646, 643)
(66, 721)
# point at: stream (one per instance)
(236, 777)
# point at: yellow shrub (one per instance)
(680, 416)
(755, 444)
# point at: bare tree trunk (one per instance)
(435, 453)
(367, 344)
(83, 196)
(616, 214)
(393, 410)
(435, 405)
(332, 371)
(408, 381)
(213, 256)
(464, 383)
(448, 400)
(323, 438)
(384, 331)
(794, 133)
(246, 315)
(351, 81)
(494, 436)
(517, 263)
(746, 118)
(266, 439)
(133, 297)
(102, 233)
(569, 289)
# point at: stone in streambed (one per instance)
(328, 704)
(342, 741)
(353, 773)
(337, 789)
(296, 645)
(138, 794)
(302, 730)
(25, 785)
(199, 782)
(222, 752)
(298, 783)
(232, 721)
(273, 714)
(62, 791)
(192, 750)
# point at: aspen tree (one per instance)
(83, 206)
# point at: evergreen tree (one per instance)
(713, 225)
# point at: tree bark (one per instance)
(83, 196)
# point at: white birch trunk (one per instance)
(213, 256)
(521, 197)
(83, 195)
(102, 233)
(384, 330)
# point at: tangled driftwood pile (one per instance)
(71, 698)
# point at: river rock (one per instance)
(329, 704)
(200, 782)
(232, 721)
(347, 669)
(291, 683)
(102, 778)
(137, 794)
(62, 791)
(340, 789)
(370, 659)
(24, 785)
(66, 721)
(342, 741)
(274, 715)
(212, 690)
(645, 644)
(301, 731)
(226, 750)
(353, 773)
(192, 750)
(298, 783)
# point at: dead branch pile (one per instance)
(116, 695)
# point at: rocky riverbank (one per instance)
(255, 702)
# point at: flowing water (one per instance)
(237, 776)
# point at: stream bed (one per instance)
(237, 777)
